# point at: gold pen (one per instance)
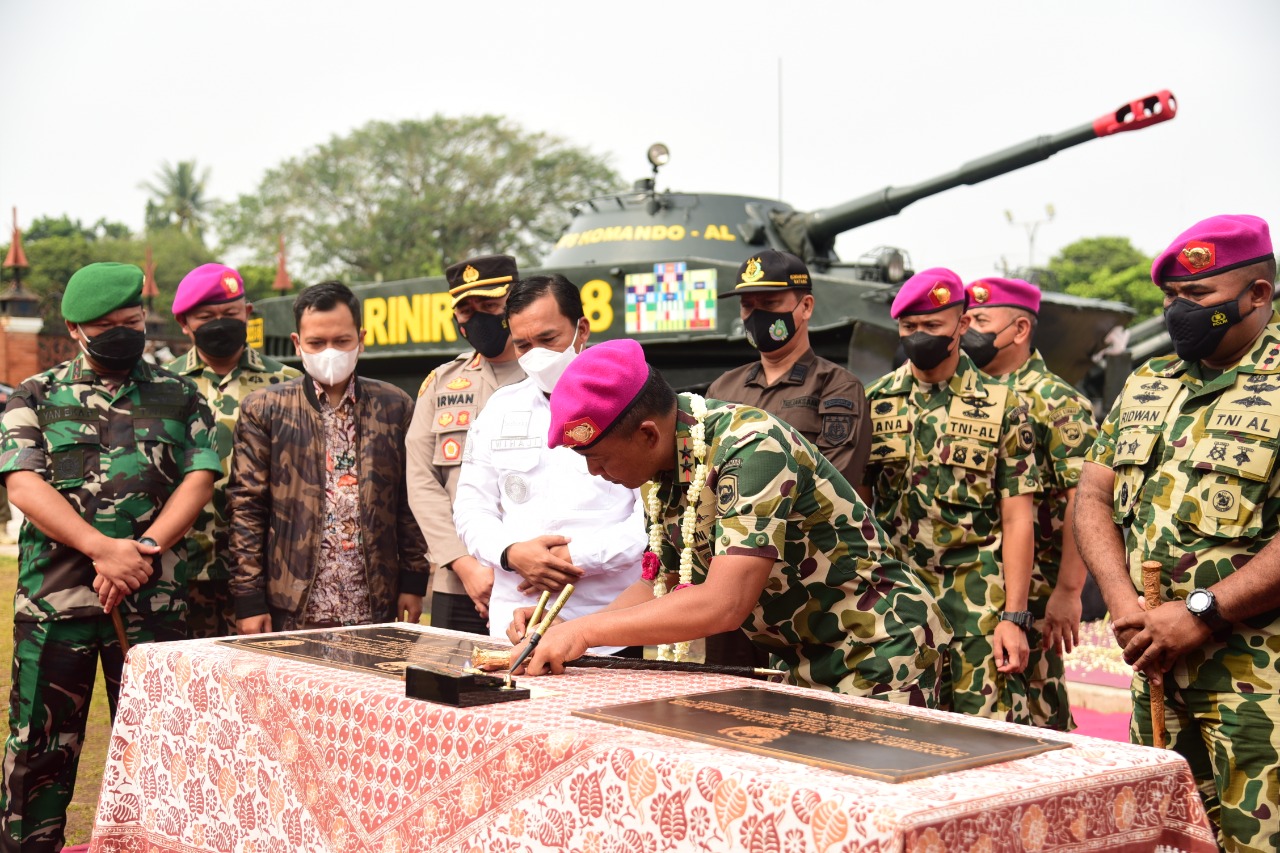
(542, 628)
(537, 612)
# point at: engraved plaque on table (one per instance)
(877, 740)
(386, 650)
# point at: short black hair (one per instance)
(654, 399)
(528, 290)
(325, 296)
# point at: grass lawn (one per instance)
(85, 804)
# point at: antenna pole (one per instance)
(779, 128)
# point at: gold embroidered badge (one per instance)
(940, 295)
(470, 274)
(753, 272)
(980, 293)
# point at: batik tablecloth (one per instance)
(221, 749)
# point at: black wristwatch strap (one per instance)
(502, 561)
(1022, 618)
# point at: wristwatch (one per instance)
(502, 561)
(1203, 604)
(1021, 618)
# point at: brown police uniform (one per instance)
(448, 402)
(821, 399)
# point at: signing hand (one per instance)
(559, 644)
(539, 564)
(1011, 649)
(1062, 621)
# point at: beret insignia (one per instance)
(470, 274)
(1196, 256)
(753, 272)
(980, 293)
(580, 432)
(230, 285)
(940, 295)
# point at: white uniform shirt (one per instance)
(512, 488)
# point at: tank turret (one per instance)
(650, 263)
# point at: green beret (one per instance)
(98, 289)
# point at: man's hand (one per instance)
(1162, 637)
(1133, 619)
(477, 580)
(520, 626)
(542, 568)
(254, 625)
(1011, 649)
(124, 562)
(559, 644)
(108, 593)
(1062, 621)
(410, 603)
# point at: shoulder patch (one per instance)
(1026, 437)
(838, 403)
(836, 429)
(422, 389)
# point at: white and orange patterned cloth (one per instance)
(216, 748)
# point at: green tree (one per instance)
(178, 198)
(1107, 268)
(405, 199)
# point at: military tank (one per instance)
(650, 263)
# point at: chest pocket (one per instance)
(450, 429)
(73, 443)
(890, 444)
(159, 432)
(965, 472)
(1230, 479)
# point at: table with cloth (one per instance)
(224, 749)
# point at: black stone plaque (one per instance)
(438, 666)
(879, 741)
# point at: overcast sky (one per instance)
(97, 95)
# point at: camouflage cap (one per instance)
(486, 275)
(98, 289)
(769, 272)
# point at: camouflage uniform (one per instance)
(942, 457)
(837, 610)
(1063, 422)
(116, 457)
(1196, 487)
(206, 569)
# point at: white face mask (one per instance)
(545, 366)
(331, 366)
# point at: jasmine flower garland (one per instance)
(651, 563)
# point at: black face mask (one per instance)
(1197, 330)
(769, 330)
(927, 351)
(222, 338)
(981, 346)
(118, 349)
(488, 333)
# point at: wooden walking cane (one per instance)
(119, 625)
(1151, 589)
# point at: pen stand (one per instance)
(460, 689)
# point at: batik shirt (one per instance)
(340, 591)
(207, 543)
(837, 609)
(1063, 422)
(942, 457)
(116, 455)
(1196, 488)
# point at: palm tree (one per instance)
(178, 197)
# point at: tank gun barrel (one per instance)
(825, 224)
